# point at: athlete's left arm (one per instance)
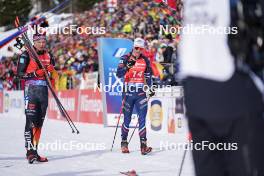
(148, 72)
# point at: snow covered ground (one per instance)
(90, 154)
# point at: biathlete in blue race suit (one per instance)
(136, 70)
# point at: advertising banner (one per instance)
(166, 111)
(110, 51)
(91, 107)
(69, 99)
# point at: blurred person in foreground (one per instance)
(223, 95)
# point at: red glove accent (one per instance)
(40, 72)
(50, 68)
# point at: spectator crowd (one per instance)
(76, 55)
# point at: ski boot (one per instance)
(144, 148)
(124, 146)
(41, 158)
(33, 157)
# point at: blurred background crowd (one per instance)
(76, 55)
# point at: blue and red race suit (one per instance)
(135, 79)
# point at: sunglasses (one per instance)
(138, 48)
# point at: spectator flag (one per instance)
(112, 3)
(157, 70)
(170, 3)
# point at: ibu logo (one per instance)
(119, 52)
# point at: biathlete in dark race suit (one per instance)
(35, 94)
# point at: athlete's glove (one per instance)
(130, 63)
(39, 72)
(50, 68)
(151, 93)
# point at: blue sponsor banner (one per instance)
(110, 51)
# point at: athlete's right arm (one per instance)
(23, 62)
(122, 68)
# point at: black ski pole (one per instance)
(61, 111)
(61, 107)
(135, 127)
(183, 158)
(117, 124)
(133, 133)
(31, 51)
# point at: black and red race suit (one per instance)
(35, 95)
